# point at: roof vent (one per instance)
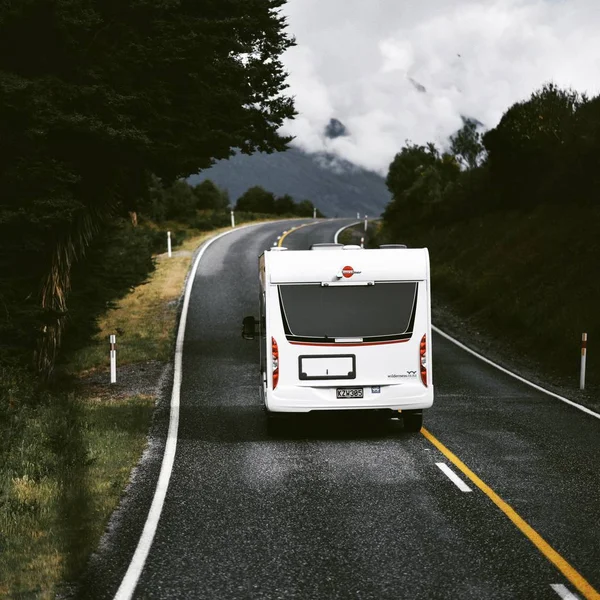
(351, 247)
(277, 248)
(326, 246)
(386, 246)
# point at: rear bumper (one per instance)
(306, 399)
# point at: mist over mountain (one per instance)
(335, 186)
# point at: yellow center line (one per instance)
(295, 229)
(550, 553)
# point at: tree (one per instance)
(109, 93)
(527, 151)
(285, 205)
(407, 166)
(419, 179)
(210, 197)
(582, 152)
(418, 176)
(256, 199)
(466, 144)
(430, 187)
(305, 208)
(180, 201)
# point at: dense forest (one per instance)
(100, 119)
(511, 216)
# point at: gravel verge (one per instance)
(137, 379)
(502, 353)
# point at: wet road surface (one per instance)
(347, 507)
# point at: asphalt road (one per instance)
(349, 508)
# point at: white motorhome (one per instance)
(345, 328)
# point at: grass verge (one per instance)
(63, 477)
(144, 320)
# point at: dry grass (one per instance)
(144, 321)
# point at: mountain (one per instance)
(336, 187)
(335, 129)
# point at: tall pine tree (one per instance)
(95, 95)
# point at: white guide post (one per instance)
(232, 219)
(583, 357)
(362, 242)
(314, 213)
(169, 244)
(358, 215)
(366, 219)
(113, 359)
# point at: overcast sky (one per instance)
(367, 62)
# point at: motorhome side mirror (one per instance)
(249, 328)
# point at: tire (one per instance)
(413, 420)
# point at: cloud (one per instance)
(392, 71)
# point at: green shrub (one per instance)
(116, 261)
(208, 220)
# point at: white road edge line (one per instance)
(563, 592)
(453, 477)
(497, 366)
(518, 377)
(335, 237)
(130, 580)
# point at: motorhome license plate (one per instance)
(349, 392)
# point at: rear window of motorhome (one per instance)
(384, 311)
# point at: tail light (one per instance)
(275, 351)
(423, 356)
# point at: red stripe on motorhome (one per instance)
(349, 344)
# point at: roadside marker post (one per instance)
(232, 219)
(169, 244)
(362, 242)
(583, 357)
(358, 215)
(366, 224)
(113, 359)
(314, 213)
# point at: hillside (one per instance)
(337, 188)
(524, 278)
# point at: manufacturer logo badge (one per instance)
(349, 271)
